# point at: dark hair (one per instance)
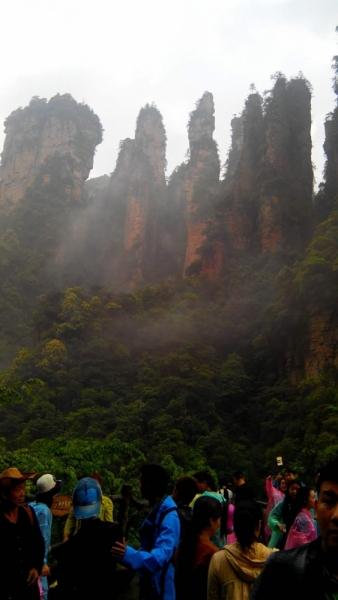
(156, 478)
(288, 504)
(207, 477)
(186, 488)
(328, 473)
(204, 509)
(300, 501)
(238, 474)
(289, 470)
(292, 482)
(246, 518)
(223, 482)
(46, 497)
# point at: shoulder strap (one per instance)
(165, 513)
(29, 512)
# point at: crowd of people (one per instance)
(200, 542)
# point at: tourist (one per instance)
(22, 545)
(309, 571)
(303, 530)
(243, 490)
(205, 482)
(160, 536)
(46, 488)
(234, 569)
(206, 487)
(289, 474)
(86, 567)
(280, 518)
(184, 492)
(224, 490)
(196, 549)
(106, 512)
(274, 496)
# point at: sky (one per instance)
(118, 55)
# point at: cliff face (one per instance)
(323, 341)
(201, 183)
(328, 194)
(134, 198)
(241, 202)
(237, 140)
(287, 179)
(147, 184)
(265, 200)
(173, 224)
(323, 319)
(43, 129)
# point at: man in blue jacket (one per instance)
(160, 535)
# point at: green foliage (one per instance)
(18, 390)
(71, 459)
(184, 373)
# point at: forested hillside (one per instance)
(191, 323)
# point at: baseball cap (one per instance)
(87, 499)
(46, 483)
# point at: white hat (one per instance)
(46, 483)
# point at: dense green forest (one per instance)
(190, 373)
(185, 373)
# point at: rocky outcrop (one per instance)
(173, 224)
(287, 178)
(265, 202)
(328, 195)
(147, 184)
(201, 183)
(241, 201)
(96, 189)
(235, 223)
(323, 342)
(237, 140)
(135, 195)
(41, 130)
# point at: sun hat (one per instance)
(46, 483)
(87, 499)
(14, 473)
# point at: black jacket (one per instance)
(86, 568)
(21, 549)
(244, 492)
(294, 574)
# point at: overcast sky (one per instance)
(118, 55)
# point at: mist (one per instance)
(117, 58)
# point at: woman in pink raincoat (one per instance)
(303, 530)
(274, 496)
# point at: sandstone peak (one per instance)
(201, 182)
(125, 155)
(42, 129)
(202, 119)
(286, 193)
(150, 136)
(235, 150)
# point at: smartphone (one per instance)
(279, 461)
